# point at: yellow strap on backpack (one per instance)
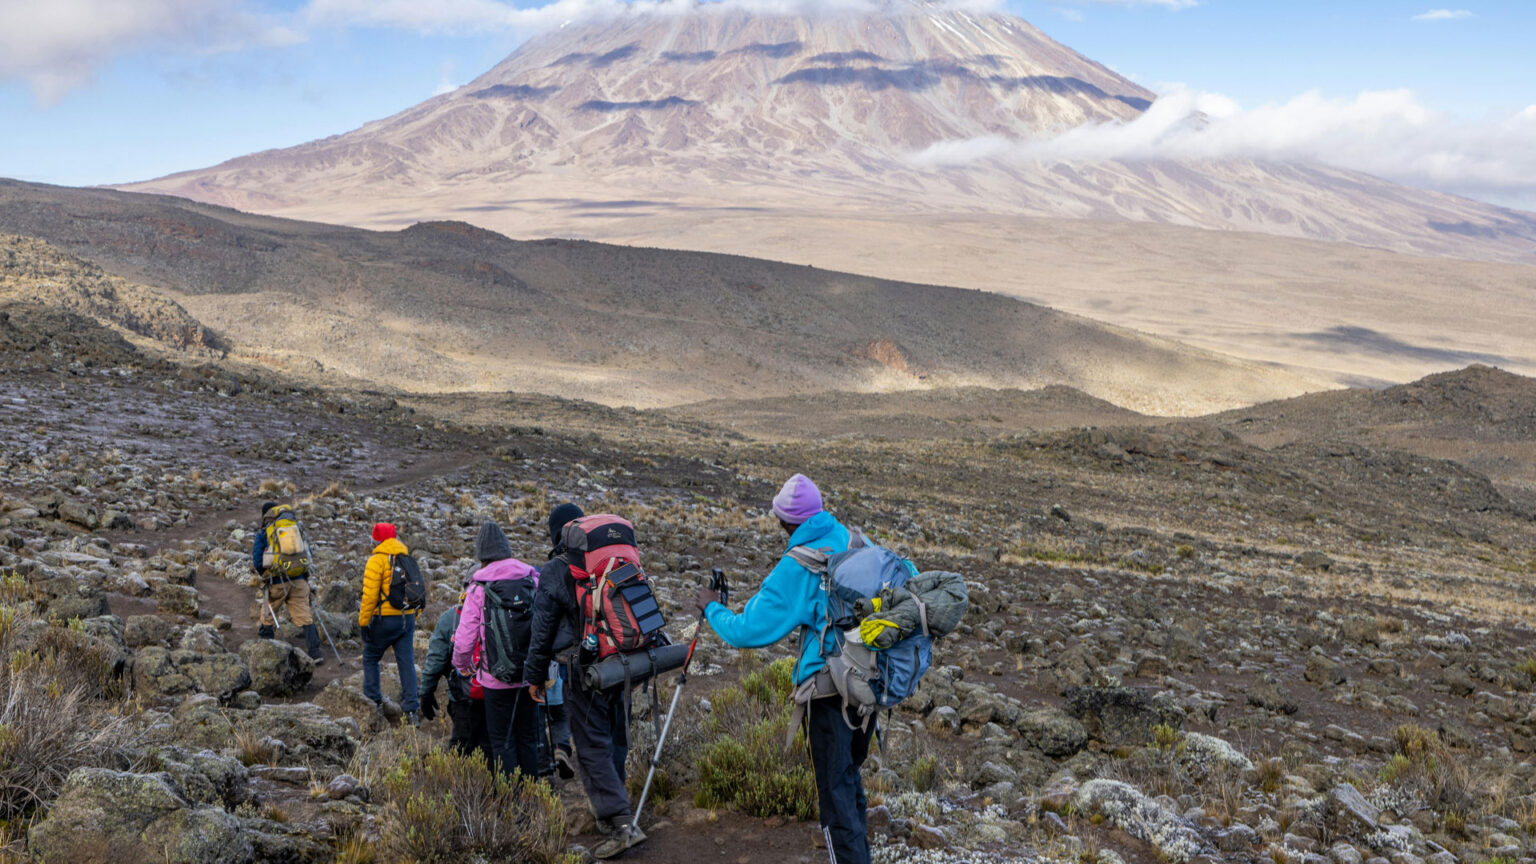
(871, 629)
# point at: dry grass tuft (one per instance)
(61, 707)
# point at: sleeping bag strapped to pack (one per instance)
(612, 590)
(287, 552)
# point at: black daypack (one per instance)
(407, 591)
(508, 628)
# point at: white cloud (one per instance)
(1444, 15)
(1385, 133)
(467, 16)
(57, 45)
(447, 78)
(1166, 4)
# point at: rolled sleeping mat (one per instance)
(610, 672)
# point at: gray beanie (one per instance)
(491, 544)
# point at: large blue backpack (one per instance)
(866, 679)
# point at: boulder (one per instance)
(205, 777)
(1350, 814)
(1323, 670)
(346, 700)
(202, 638)
(1125, 807)
(277, 668)
(176, 599)
(1119, 716)
(142, 630)
(222, 675)
(161, 672)
(78, 513)
(1052, 731)
(308, 733)
(1269, 694)
(103, 815)
(279, 843)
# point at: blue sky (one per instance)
(98, 91)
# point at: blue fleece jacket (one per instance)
(791, 597)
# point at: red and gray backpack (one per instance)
(612, 590)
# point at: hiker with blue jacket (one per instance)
(792, 599)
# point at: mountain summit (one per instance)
(675, 103)
(593, 128)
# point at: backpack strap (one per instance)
(818, 686)
(922, 613)
(389, 579)
(814, 560)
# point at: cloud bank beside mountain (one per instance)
(1385, 133)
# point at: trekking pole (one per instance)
(267, 601)
(316, 608)
(716, 583)
(327, 632)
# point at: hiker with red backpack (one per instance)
(466, 698)
(495, 623)
(393, 592)
(586, 604)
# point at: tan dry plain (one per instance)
(1335, 314)
(444, 307)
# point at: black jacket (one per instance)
(556, 619)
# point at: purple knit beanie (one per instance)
(798, 501)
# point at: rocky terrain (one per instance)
(1187, 641)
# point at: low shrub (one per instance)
(61, 707)
(745, 766)
(445, 806)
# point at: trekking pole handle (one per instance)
(717, 584)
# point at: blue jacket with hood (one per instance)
(791, 597)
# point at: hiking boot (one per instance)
(412, 718)
(266, 633)
(563, 764)
(623, 837)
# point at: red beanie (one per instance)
(383, 531)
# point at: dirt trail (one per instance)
(238, 602)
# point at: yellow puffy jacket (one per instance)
(376, 578)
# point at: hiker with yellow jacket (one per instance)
(385, 626)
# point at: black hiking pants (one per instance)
(837, 754)
(514, 724)
(600, 731)
(468, 716)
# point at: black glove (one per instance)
(429, 704)
(367, 630)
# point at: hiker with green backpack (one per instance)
(393, 592)
(490, 646)
(866, 620)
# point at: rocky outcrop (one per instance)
(277, 668)
(104, 815)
